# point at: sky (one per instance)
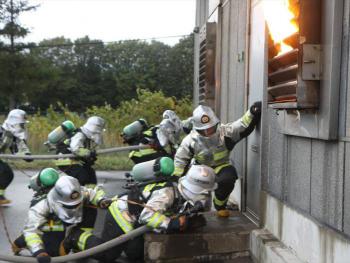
(110, 20)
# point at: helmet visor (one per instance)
(208, 132)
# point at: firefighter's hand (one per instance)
(28, 160)
(178, 224)
(105, 203)
(255, 109)
(43, 257)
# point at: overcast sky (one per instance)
(110, 20)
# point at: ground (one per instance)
(18, 192)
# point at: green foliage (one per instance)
(148, 105)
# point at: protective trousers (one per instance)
(225, 179)
(51, 239)
(85, 174)
(6, 175)
(133, 248)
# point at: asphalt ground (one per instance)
(18, 192)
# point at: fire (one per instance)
(281, 21)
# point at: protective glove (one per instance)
(105, 203)
(28, 160)
(43, 257)
(255, 109)
(178, 224)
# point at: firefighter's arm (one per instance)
(152, 215)
(37, 216)
(77, 146)
(96, 197)
(183, 156)
(245, 125)
(22, 147)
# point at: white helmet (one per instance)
(198, 183)
(168, 131)
(204, 118)
(15, 123)
(93, 128)
(66, 198)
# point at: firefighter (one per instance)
(163, 139)
(13, 135)
(210, 143)
(41, 184)
(83, 144)
(164, 206)
(65, 203)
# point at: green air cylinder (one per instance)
(61, 132)
(149, 170)
(134, 129)
(44, 179)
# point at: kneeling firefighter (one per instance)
(53, 231)
(13, 136)
(163, 205)
(210, 143)
(163, 138)
(65, 202)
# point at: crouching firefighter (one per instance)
(163, 139)
(164, 206)
(13, 136)
(65, 202)
(210, 143)
(53, 231)
(83, 145)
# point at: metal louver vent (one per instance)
(294, 76)
(207, 38)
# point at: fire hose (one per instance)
(86, 253)
(61, 156)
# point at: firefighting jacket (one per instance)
(213, 151)
(149, 137)
(81, 146)
(40, 214)
(159, 200)
(16, 145)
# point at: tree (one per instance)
(13, 55)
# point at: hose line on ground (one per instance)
(61, 156)
(86, 253)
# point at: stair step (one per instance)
(220, 239)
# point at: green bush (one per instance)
(148, 105)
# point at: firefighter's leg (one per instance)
(144, 155)
(6, 177)
(226, 178)
(52, 241)
(79, 172)
(135, 249)
(80, 239)
(91, 179)
(111, 230)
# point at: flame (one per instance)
(280, 20)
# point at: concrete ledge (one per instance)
(265, 248)
(220, 239)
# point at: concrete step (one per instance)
(221, 240)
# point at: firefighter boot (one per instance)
(223, 213)
(4, 200)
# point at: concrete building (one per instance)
(295, 167)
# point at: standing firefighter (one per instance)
(210, 143)
(163, 138)
(66, 203)
(163, 206)
(13, 135)
(83, 145)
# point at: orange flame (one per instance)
(280, 19)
